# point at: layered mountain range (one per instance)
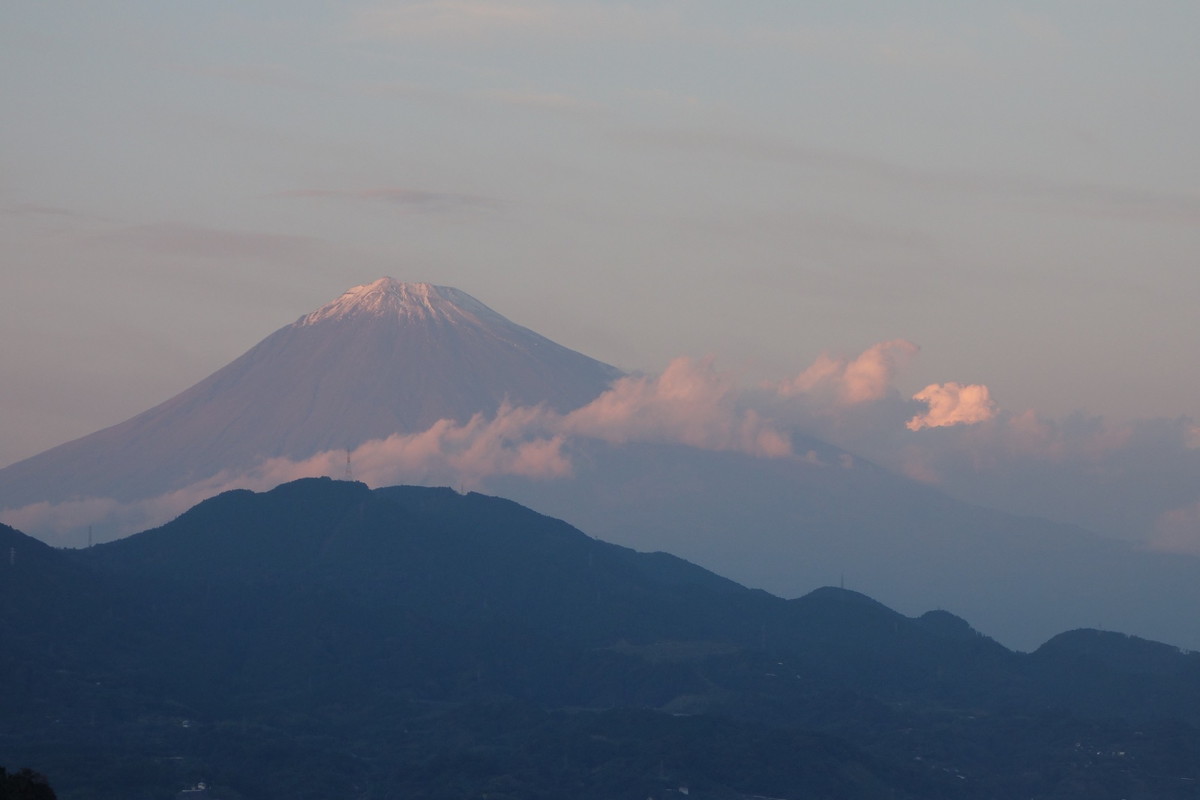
(328, 640)
(392, 358)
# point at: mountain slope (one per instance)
(391, 357)
(323, 638)
(787, 525)
(387, 357)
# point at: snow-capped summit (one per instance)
(415, 300)
(386, 357)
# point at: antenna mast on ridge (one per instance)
(349, 473)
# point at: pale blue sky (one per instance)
(1013, 186)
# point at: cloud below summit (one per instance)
(690, 403)
(1136, 480)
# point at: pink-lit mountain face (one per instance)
(387, 357)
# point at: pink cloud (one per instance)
(178, 239)
(690, 403)
(447, 453)
(952, 404)
(864, 379)
(57, 518)
(514, 442)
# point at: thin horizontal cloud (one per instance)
(1087, 199)
(174, 238)
(271, 76)
(36, 210)
(473, 21)
(1120, 202)
(529, 99)
(554, 102)
(894, 45)
(412, 199)
(32, 209)
(476, 20)
(757, 147)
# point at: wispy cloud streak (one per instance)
(413, 199)
(171, 238)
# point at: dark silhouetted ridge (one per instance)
(323, 637)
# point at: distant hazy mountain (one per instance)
(391, 357)
(384, 358)
(326, 640)
(787, 526)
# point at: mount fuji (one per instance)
(386, 357)
(390, 363)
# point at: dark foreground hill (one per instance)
(325, 640)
